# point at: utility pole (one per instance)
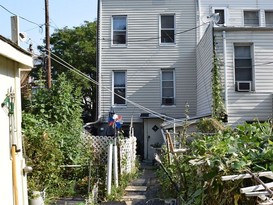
(48, 59)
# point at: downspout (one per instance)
(199, 20)
(98, 77)
(225, 70)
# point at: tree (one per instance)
(77, 47)
(52, 128)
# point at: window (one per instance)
(119, 86)
(269, 18)
(119, 29)
(243, 65)
(222, 15)
(167, 86)
(251, 18)
(167, 29)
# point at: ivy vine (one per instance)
(218, 107)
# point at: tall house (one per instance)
(243, 42)
(147, 64)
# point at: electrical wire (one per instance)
(39, 25)
(153, 38)
(75, 70)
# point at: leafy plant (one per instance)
(52, 129)
(248, 147)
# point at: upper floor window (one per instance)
(119, 30)
(167, 86)
(269, 18)
(243, 67)
(119, 87)
(167, 28)
(251, 18)
(222, 15)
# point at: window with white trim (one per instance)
(167, 86)
(222, 15)
(269, 18)
(119, 30)
(251, 18)
(167, 28)
(119, 87)
(243, 67)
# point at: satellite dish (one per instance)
(214, 17)
(23, 37)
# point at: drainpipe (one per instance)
(98, 60)
(225, 70)
(199, 20)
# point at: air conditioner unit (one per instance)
(243, 86)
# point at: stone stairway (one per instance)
(144, 189)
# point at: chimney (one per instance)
(15, 29)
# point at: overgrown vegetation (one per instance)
(52, 128)
(227, 152)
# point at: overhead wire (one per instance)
(73, 69)
(154, 38)
(39, 25)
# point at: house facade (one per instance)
(155, 57)
(242, 39)
(147, 66)
(14, 61)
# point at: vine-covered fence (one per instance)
(126, 147)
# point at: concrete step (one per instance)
(139, 182)
(136, 188)
(133, 197)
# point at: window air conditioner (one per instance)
(243, 86)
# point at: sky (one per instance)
(62, 13)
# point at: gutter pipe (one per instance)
(98, 59)
(225, 69)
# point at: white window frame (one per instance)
(253, 81)
(161, 86)
(259, 17)
(113, 87)
(174, 29)
(112, 31)
(265, 11)
(225, 14)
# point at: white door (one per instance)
(152, 136)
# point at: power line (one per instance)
(130, 40)
(39, 25)
(75, 70)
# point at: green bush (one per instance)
(52, 128)
(198, 171)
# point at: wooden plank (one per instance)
(256, 188)
(257, 193)
(244, 176)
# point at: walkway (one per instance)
(145, 189)
(142, 191)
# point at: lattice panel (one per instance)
(99, 145)
(127, 150)
(127, 154)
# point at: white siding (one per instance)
(9, 78)
(204, 67)
(234, 9)
(258, 103)
(143, 58)
(11, 60)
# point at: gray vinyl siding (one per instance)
(143, 57)
(234, 11)
(257, 104)
(204, 66)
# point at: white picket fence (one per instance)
(126, 147)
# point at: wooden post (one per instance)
(48, 59)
